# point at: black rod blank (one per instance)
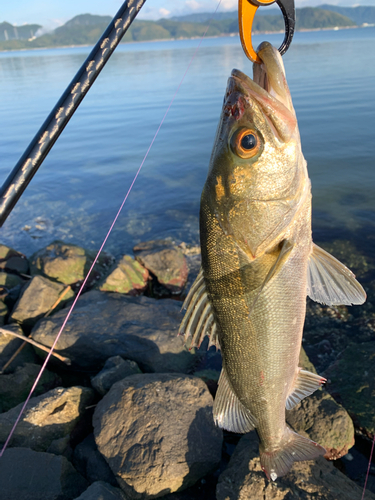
(56, 121)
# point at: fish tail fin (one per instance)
(293, 448)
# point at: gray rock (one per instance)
(309, 480)
(29, 475)
(68, 263)
(37, 298)
(321, 419)
(165, 261)
(90, 463)
(10, 344)
(61, 446)
(351, 380)
(11, 260)
(102, 491)
(115, 369)
(3, 313)
(15, 387)
(46, 418)
(104, 325)
(127, 276)
(157, 433)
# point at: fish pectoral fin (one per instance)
(305, 384)
(229, 412)
(285, 249)
(330, 282)
(199, 320)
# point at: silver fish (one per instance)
(259, 263)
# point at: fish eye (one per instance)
(245, 143)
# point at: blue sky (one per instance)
(52, 13)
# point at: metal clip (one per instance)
(246, 14)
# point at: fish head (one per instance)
(257, 171)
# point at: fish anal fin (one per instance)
(293, 448)
(330, 282)
(199, 320)
(305, 384)
(229, 412)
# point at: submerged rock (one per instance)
(29, 475)
(103, 325)
(165, 261)
(309, 480)
(46, 418)
(36, 299)
(127, 276)
(351, 380)
(69, 263)
(157, 433)
(115, 369)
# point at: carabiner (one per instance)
(246, 14)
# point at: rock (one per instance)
(102, 491)
(127, 276)
(36, 299)
(351, 381)
(90, 463)
(309, 480)
(61, 446)
(9, 345)
(321, 419)
(157, 433)
(165, 261)
(11, 260)
(29, 475)
(9, 281)
(304, 362)
(115, 369)
(103, 325)
(68, 263)
(46, 418)
(3, 312)
(15, 387)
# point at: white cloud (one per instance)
(164, 12)
(229, 4)
(193, 4)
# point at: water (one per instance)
(78, 189)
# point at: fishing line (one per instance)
(105, 239)
(368, 468)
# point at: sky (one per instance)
(53, 13)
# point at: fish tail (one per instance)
(293, 448)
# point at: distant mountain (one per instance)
(86, 29)
(360, 14)
(10, 32)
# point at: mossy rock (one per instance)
(11, 260)
(127, 276)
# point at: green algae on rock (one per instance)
(127, 276)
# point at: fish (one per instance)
(259, 264)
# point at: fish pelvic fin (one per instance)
(293, 448)
(199, 320)
(229, 413)
(305, 384)
(330, 282)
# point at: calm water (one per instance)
(81, 184)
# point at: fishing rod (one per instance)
(39, 147)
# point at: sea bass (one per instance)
(259, 263)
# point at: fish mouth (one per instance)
(268, 88)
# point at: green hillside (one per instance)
(10, 32)
(86, 29)
(360, 15)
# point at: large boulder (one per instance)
(309, 480)
(126, 276)
(37, 297)
(115, 369)
(351, 380)
(157, 433)
(29, 475)
(165, 261)
(46, 418)
(69, 263)
(103, 325)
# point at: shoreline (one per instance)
(302, 30)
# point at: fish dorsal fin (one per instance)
(305, 384)
(199, 320)
(330, 282)
(229, 412)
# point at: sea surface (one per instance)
(80, 186)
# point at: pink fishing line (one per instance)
(368, 468)
(105, 240)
